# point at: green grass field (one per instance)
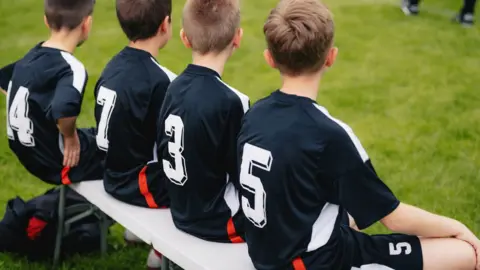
(409, 87)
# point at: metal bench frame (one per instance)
(79, 212)
(68, 215)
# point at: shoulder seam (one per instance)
(78, 70)
(244, 99)
(170, 75)
(347, 129)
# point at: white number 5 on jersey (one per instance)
(398, 248)
(174, 127)
(254, 156)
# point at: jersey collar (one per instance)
(288, 97)
(134, 51)
(200, 70)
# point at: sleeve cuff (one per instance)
(363, 224)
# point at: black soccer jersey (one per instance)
(197, 131)
(6, 73)
(301, 169)
(129, 95)
(46, 84)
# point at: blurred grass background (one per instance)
(409, 87)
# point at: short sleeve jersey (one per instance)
(129, 95)
(301, 171)
(47, 84)
(197, 131)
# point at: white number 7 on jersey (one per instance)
(107, 99)
(254, 157)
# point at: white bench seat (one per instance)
(155, 227)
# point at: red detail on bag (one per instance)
(35, 227)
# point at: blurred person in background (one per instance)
(464, 17)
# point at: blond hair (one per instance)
(211, 25)
(299, 34)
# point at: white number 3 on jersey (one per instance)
(174, 127)
(261, 158)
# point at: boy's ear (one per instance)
(237, 39)
(269, 59)
(165, 26)
(331, 57)
(184, 38)
(46, 21)
(87, 25)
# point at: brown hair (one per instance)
(67, 13)
(299, 35)
(211, 25)
(140, 19)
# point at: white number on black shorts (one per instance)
(261, 158)
(17, 117)
(174, 127)
(397, 249)
(107, 99)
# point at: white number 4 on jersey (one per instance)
(17, 117)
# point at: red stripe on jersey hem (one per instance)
(158, 253)
(298, 264)
(142, 183)
(232, 233)
(65, 178)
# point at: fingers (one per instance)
(71, 157)
(67, 157)
(75, 158)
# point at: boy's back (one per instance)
(306, 179)
(45, 96)
(129, 96)
(200, 119)
(46, 85)
(199, 124)
(294, 154)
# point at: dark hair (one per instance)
(299, 35)
(210, 25)
(67, 13)
(140, 19)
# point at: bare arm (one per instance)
(352, 223)
(71, 154)
(411, 220)
(67, 126)
(3, 91)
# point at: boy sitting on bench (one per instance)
(44, 98)
(302, 170)
(199, 123)
(129, 95)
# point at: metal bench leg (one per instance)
(104, 224)
(60, 227)
(165, 263)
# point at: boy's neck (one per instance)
(149, 45)
(303, 85)
(211, 60)
(62, 40)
